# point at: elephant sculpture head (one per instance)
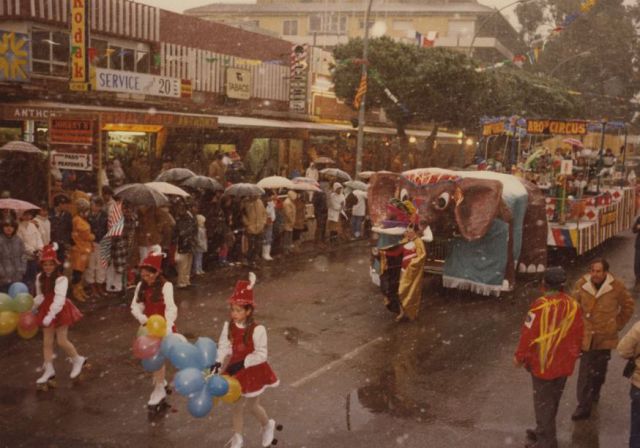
(449, 204)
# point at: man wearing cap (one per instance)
(549, 347)
(606, 309)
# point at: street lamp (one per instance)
(484, 22)
(365, 53)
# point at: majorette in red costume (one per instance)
(246, 345)
(54, 308)
(55, 314)
(154, 295)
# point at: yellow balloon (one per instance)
(157, 326)
(235, 390)
(8, 322)
(27, 334)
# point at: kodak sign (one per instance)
(79, 45)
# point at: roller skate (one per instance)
(48, 378)
(268, 433)
(236, 441)
(158, 399)
(77, 364)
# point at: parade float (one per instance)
(488, 226)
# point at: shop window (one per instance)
(315, 22)
(100, 46)
(328, 23)
(290, 28)
(128, 60)
(50, 52)
(143, 62)
(115, 57)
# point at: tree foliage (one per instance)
(443, 87)
(597, 54)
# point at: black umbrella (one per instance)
(141, 194)
(243, 189)
(203, 183)
(177, 175)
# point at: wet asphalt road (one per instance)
(350, 376)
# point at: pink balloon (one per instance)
(27, 322)
(145, 347)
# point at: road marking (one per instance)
(346, 357)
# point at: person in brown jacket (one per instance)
(289, 214)
(218, 170)
(254, 218)
(606, 306)
(149, 232)
(299, 224)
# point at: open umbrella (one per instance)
(323, 160)
(203, 183)
(176, 175)
(167, 188)
(356, 185)
(305, 180)
(17, 204)
(365, 175)
(342, 176)
(301, 186)
(573, 142)
(141, 194)
(20, 146)
(243, 189)
(275, 182)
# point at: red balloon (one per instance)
(145, 347)
(27, 322)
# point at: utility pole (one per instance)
(365, 62)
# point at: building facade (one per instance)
(456, 24)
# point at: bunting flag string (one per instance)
(538, 46)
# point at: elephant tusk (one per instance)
(427, 235)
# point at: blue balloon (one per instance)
(184, 355)
(188, 381)
(17, 288)
(154, 363)
(169, 341)
(208, 351)
(200, 404)
(217, 386)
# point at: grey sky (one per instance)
(179, 6)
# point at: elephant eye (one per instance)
(404, 195)
(442, 201)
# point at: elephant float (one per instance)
(495, 223)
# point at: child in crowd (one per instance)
(55, 314)
(200, 245)
(242, 353)
(154, 295)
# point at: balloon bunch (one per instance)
(197, 379)
(15, 312)
(146, 345)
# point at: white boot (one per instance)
(267, 433)
(158, 394)
(78, 363)
(266, 252)
(235, 441)
(48, 374)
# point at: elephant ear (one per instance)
(478, 204)
(382, 187)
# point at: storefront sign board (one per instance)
(137, 83)
(79, 44)
(238, 83)
(72, 161)
(70, 131)
(557, 127)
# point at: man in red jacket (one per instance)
(549, 346)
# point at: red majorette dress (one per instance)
(257, 374)
(52, 300)
(155, 299)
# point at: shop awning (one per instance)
(251, 122)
